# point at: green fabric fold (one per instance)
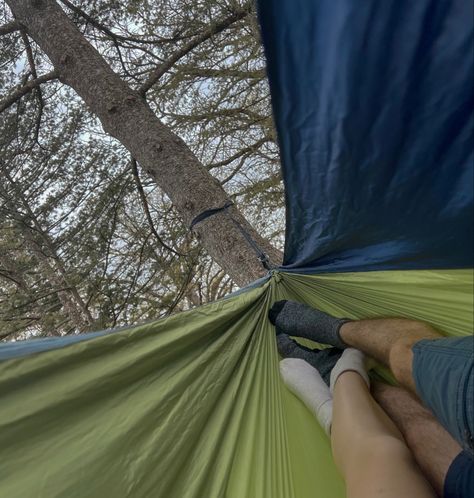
(192, 406)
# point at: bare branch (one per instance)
(7, 276)
(14, 318)
(188, 47)
(115, 38)
(236, 170)
(246, 150)
(27, 88)
(38, 93)
(142, 195)
(110, 33)
(182, 291)
(29, 53)
(9, 27)
(220, 113)
(203, 72)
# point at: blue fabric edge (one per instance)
(27, 347)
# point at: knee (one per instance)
(401, 353)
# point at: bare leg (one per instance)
(390, 341)
(368, 448)
(432, 446)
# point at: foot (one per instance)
(305, 382)
(300, 320)
(322, 360)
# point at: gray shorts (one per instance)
(443, 373)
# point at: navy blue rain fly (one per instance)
(373, 103)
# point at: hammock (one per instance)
(373, 106)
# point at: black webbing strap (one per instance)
(209, 212)
(262, 257)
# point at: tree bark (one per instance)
(125, 115)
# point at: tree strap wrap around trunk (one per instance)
(262, 257)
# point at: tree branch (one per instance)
(27, 88)
(115, 38)
(220, 113)
(110, 33)
(246, 150)
(29, 53)
(203, 72)
(9, 27)
(38, 93)
(182, 291)
(8, 277)
(188, 47)
(146, 209)
(236, 170)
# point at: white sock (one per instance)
(306, 382)
(351, 360)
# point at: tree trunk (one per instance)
(53, 269)
(162, 154)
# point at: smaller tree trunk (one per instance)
(42, 248)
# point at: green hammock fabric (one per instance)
(192, 406)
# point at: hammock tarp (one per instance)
(373, 107)
(192, 406)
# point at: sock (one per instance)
(322, 360)
(301, 320)
(351, 360)
(306, 383)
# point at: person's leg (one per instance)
(414, 351)
(368, 448)
(390, 341)
(306, 383)
(432, 446)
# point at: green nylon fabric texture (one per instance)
(192, 406)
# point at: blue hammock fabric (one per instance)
(373, 105)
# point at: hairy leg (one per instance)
(368, 448)
(390, 341)
(432, 446)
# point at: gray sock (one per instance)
(322, 360)
(300, 320)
